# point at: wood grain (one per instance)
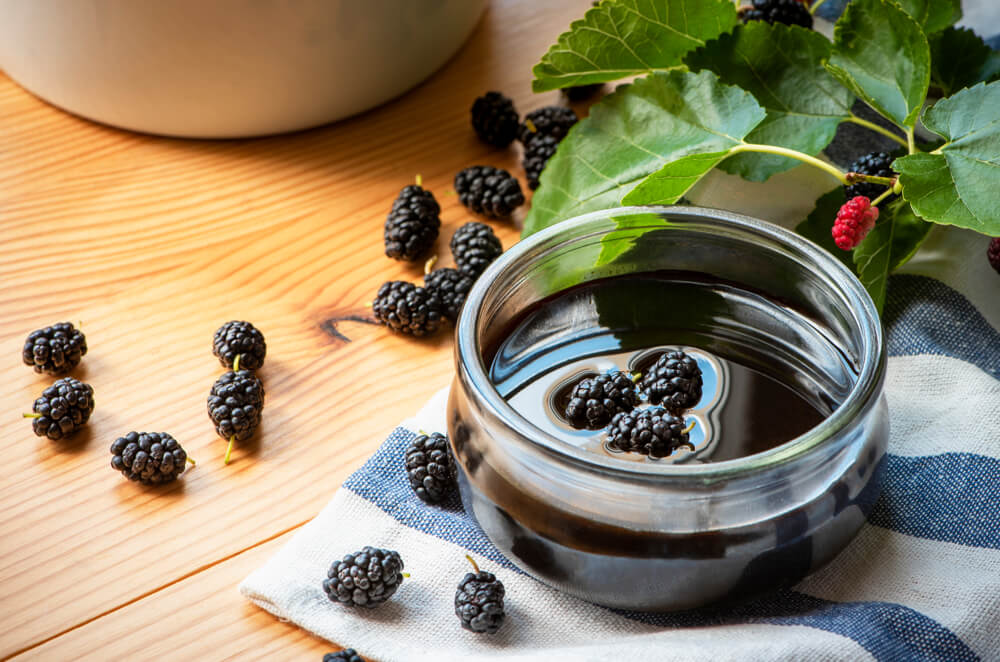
(154, 242)
(190, 620)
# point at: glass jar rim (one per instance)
(865, 319)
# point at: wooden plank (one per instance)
(153, 243)
(202, 617)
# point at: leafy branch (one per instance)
(758, 99)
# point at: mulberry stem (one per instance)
(429, 264)
(792, 154)
(690, 427)
(229, 449)
(236, 362)
(854, 119)
(32, 415)
(191, 460)
(855, 177)
(473, 562)
(420, 180)
(885, 194)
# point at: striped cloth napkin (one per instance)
(920, 582)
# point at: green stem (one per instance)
(855, 177)
(32, 415)
(792, 154)
(885, 194)
(475, 566)
(854, 119)
(229, 449)
(911, 143)
(815, 6)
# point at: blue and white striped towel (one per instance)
(920, 582)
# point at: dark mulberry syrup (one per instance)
(626, 323)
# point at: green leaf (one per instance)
(668, 184)
(630, 37)
(872, 258)
(957, 183)
(897, 235)
(881, 54)
(908, 234)
(635, 131)
(818, 226)
(782, 67)
(933, 15)
(959, 58)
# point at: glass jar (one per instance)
(660, 536)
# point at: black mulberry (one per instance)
(240, 339)
(54, 350)
(62, 409)
(406, 308)
(537, 153)
(451, 287)
(412, 224)
(364, 579)
(555, 121)
(234, 405)
(346, 655)
(595, 400)
(430, 467)
(582, 92)
(489, 191)
(479, 601)
(474, 247)
(494, 119)
(878, 164)
(674, 380)
(993, 253)
(789, 12)
(654, 432)
(148, 457)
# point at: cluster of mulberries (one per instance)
(539, 134)
(369, 577)
(412, 228)
(612, 401)
(236, 399)
(64, 407)
(420, 311)
(414, 222)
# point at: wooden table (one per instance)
(152, 243)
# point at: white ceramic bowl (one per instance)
(226, 68)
